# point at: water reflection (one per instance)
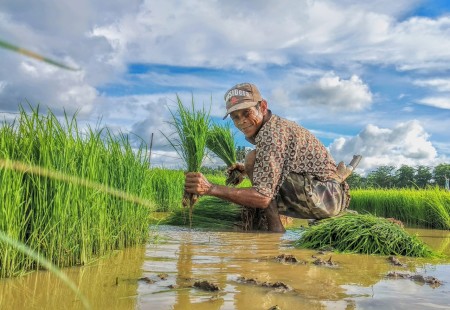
(109, 283)
(169, 269)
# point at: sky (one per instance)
(366, 77)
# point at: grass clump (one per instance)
(210, 213)
(366, 234)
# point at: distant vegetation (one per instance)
(403, 177)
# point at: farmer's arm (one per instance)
(196, 183)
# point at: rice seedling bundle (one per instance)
(191, 127)
(366, 234)
(429, 208)
(221, 142)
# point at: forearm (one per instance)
(243, 196)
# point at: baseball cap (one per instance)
(241, 96)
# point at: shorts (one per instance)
(304, 196)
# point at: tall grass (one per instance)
(191, 132)
(68, 222)
(428, 208)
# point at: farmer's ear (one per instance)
(263, 106)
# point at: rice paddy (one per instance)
(68, 222)
(428, 208)
(73, 196)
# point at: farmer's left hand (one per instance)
(196, 183)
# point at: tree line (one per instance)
(403, 177)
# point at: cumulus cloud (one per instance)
(407, 143)
(336, 93)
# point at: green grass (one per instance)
(69, 195)
(364, 234)
(210, 213)
(428, 208)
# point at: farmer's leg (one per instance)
(273, 218)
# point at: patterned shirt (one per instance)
(282, 147)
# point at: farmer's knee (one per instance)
(250, 163)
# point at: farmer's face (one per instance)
(249, 121)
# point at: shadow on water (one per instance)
(162, 274)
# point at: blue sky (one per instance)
(369, 78)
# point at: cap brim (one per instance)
(241, 106)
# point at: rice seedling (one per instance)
(366, 234)
(191, 127)
(429, 208)
(68, 195)
(166, 188)
(221, 142)
(210, 213)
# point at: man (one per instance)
(291, 171)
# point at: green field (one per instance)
(73, 196)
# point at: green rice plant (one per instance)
(191, 128)
(221, 142)
(34, 55)
(428, 208)
(69, 195)
(166, 188)
(210, 213)
(366, 234)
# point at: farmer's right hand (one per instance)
(196, 183)
(237, 166)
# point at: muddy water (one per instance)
(161, 276)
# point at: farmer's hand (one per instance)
(237, 166)
(196, 183)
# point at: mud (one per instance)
(418, 278)
(394, 261)
(277, 286)
(206, 286)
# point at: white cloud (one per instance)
(407, 143)
(336, 93)
(442, 85)
(437, 102)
